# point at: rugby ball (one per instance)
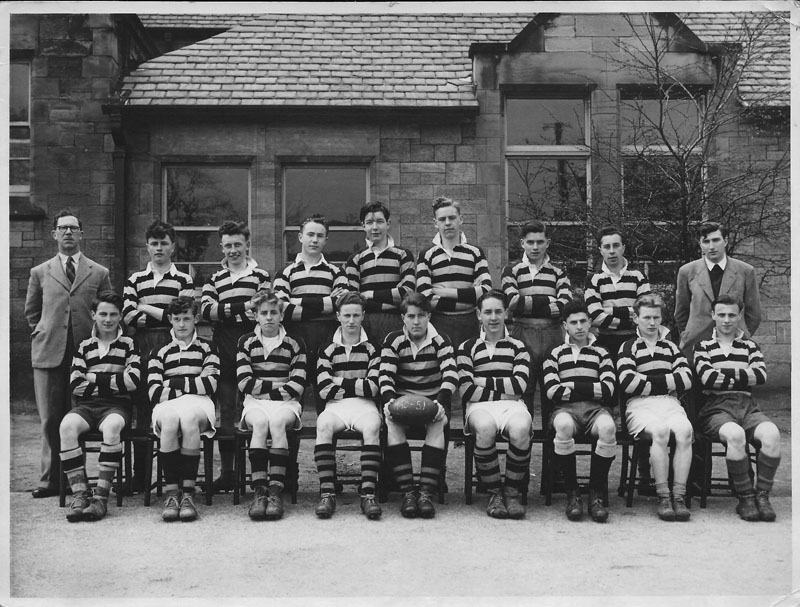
(413, 408)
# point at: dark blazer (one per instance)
(693, 298)
(51, 301)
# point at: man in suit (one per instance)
(58, 310)
(700, 282)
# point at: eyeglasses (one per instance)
(63, 229)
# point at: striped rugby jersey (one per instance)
(432, 372)
(142, 288)
(540, 296)
(388, 275)
(342, 374)
(225, 296)
(307, 293)
(500, 375)
(645, 373)
(738, 371)
(603, 292)
(589, 370)
(176, 369)
(467, 270)
(119, 370)
(280, 375)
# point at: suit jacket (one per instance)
(51, 303)
(694, 296)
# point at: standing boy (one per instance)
(105, 371)
(58, 311)
(653, 373)
(181, 380)
(417, 360)
(579, 379)
(227, 302)
(382, 273)
(271, 371)
(493, 373)
(347, 372)
(728, 366)
(147, 295)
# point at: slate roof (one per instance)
(360, 61)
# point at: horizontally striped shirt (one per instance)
(348, 371)
(737, 371)
(177, 369)
(307, 292)
(118, 370)
(431, 372)
(574, 374)
(141, 287)
(225, 294)
(539, 296)
(606, 291)
(388, 276)
(466, 270)
(643, 372)
(488, 374)
(278, 375)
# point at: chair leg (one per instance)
(293, 471)
(208, 469)
(632, 475)
(548, 475)
(707, 470)
(62, 486)
(238, 468)
(469, 455)
(623, 474)
(148, 470)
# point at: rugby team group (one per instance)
(350, 340)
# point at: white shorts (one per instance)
(186, 401)
(642, 411)
(500, 410)
(269, 407)
(351, 410)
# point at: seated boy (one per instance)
(653, 373)
(417, 360)
(181, 380)
(271, 372)
(493, 375)
(105, 371)
(347, 376)
(728, 365)
(579, 381)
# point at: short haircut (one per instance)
(417, 300)
(574, 306)
(651, 300)
(107, 297)
(373, 207)
(493, 294)
(66, 213)
(711, 226)
(234, 228)
(726, 299)
(533, 226)
(315, 218)
(263, 296)
(609, 231)
(181, 305)
(159, 229)
(442, 202)
(349, 298)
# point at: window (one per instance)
(337, 191)
(19, 134)
(197, 199)
(662, 169)
(548, 167)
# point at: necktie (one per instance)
(716, 279)
(70, 270)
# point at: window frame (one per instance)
(18, 190)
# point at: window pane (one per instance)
(336, 192)
(20, 172)
(20, 132)
(652, 186)
(206, 195)
(339, 247)
(20, 83)
(567, 244)
(545, 121)
(20, 150)
(198, 247)
(546, 189)
(640, 120)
